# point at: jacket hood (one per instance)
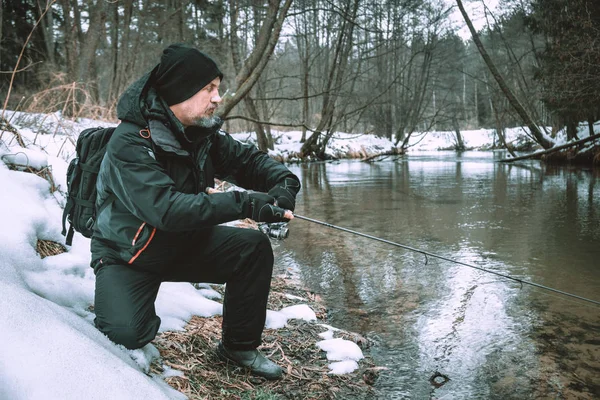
(141, 105)
(131, 106)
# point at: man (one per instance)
(161, 225)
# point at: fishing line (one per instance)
(428, 254)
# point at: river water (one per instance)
(444, 330)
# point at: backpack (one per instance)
(82, 174)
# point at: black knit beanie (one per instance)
(183, 71)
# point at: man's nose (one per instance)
(216, 99)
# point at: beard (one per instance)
(208, 122)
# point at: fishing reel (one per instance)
(276, 230)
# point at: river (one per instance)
(447, 331)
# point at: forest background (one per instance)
(384, 67)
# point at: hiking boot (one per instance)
(252, 359)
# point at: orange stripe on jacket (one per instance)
(143, 248)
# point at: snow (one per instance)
(287, 144)
(279, 319)
(49, 345)
(299, 311)
(341, 350)
(26, 158)
(343, 367)
(329, 333)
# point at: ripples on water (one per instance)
(489, 336)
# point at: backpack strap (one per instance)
(69, 239)
(66, 212)
(92, 220)
(106, 203)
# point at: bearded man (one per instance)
(158, 223)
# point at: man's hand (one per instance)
(285, 193)
(263, 208)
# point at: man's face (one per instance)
(199, 109)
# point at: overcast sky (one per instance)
(475, 10)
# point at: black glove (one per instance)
(263, 209)
(285, 193)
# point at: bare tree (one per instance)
(250, 70)
(333, 83)
(534, 129)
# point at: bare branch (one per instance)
(242, 117)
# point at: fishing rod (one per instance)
(428, 254)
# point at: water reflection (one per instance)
(492, 338)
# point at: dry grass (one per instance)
(293, 348)
(47, 248)
(73, 99)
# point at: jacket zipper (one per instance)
(138, 234)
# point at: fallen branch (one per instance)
(393, 152)
(552, 150)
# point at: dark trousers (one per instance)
(241, 258)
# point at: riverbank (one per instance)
(53, 132)
(200, 374)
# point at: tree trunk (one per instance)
(180, 21)
(114, 39)
(553, 150)
(77, 20)
(91, 40)
(571, 128)
(514, 102)
(460, 145)
(71, 41)
(48, 34)
(264, 110)
(500, 131)
(124, 62)
(305, 104)
(261, 137)
(464, 98)
(303, 44)
(416, 105)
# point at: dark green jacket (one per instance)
(159, 179)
